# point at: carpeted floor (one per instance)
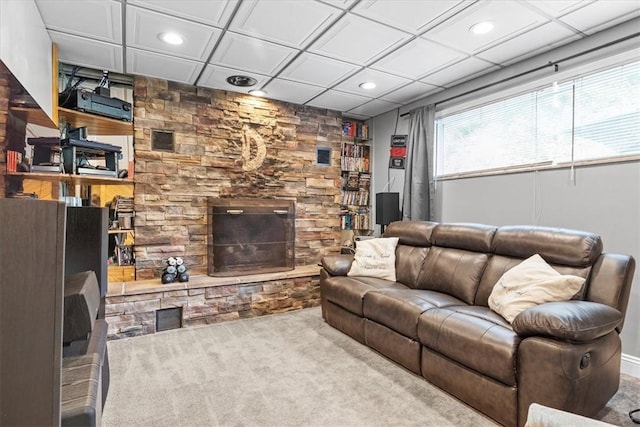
(282, 370)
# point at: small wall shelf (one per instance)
(70, 179)
(96, 125)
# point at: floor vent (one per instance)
(168, 318)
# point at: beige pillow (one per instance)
(530, 283)
(375, 258)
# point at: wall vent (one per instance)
(162, 140)
(168, 318)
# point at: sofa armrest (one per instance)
(337, 265)
(578, 321)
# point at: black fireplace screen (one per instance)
(249, 236)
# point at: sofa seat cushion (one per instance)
(474, 337)
(399, 309)
(347, 292)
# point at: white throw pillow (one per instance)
(530, 283)
(375, 258)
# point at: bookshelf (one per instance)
(355, 163)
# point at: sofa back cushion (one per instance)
(454, 265)
(556, 245)
(413, 245)
(456, 272)
(567, 251)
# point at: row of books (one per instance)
(356, 180)
(355, 157)
(355, 221)
(13, 159)
(356, 198)
(355, 129)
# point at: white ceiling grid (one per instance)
(317, 52)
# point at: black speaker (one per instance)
(387, 208)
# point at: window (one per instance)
(590, 118)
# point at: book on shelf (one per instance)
(355, 220)
(354, 157)
(353, 181)
(355, 198)
(354, 129)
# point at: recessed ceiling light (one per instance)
(482, 27)
(367, 85)
(257, 92)
(242, 81)
(171, 38)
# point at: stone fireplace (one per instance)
(250, 236)
(229, 145)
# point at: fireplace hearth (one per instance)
(248, 236)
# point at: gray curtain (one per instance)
(416, 200)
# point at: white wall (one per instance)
(25, 48)
(383, 178)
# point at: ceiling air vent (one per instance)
(162, 140)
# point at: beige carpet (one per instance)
(281, 370)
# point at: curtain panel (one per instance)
(418, 174)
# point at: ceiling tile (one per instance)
(457, 73)
(144, 27)
(410, 92)
(215, 13)
(216, 77)
(161, 66)
(317, 70)
(286, 90)
(384, 83)
(374, 108)
(408, 15)
(509, 18)
(597, 16)
(358, 40)
(246, 53)
(290, 22)
(339, 101)
(557, 8)
(342, 4)
(79, 18)
(417, 58)
(529, 44)
(88, 53)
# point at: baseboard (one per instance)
(630, 365)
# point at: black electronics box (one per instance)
(90, 102)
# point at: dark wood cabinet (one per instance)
(40, 243)
(32, 241)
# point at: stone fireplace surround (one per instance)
(227, 145)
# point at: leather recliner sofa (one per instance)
(435, 318)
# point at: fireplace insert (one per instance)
(250, 236)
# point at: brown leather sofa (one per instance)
(435, 319)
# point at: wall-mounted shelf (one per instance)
(70, 179)
(96, 125)
(34, 115)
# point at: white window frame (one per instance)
(453, 107)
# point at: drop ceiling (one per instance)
(317, 53)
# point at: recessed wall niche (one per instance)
(323, 156)
(162, 140)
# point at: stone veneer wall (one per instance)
(218, 152)
(135, 314)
